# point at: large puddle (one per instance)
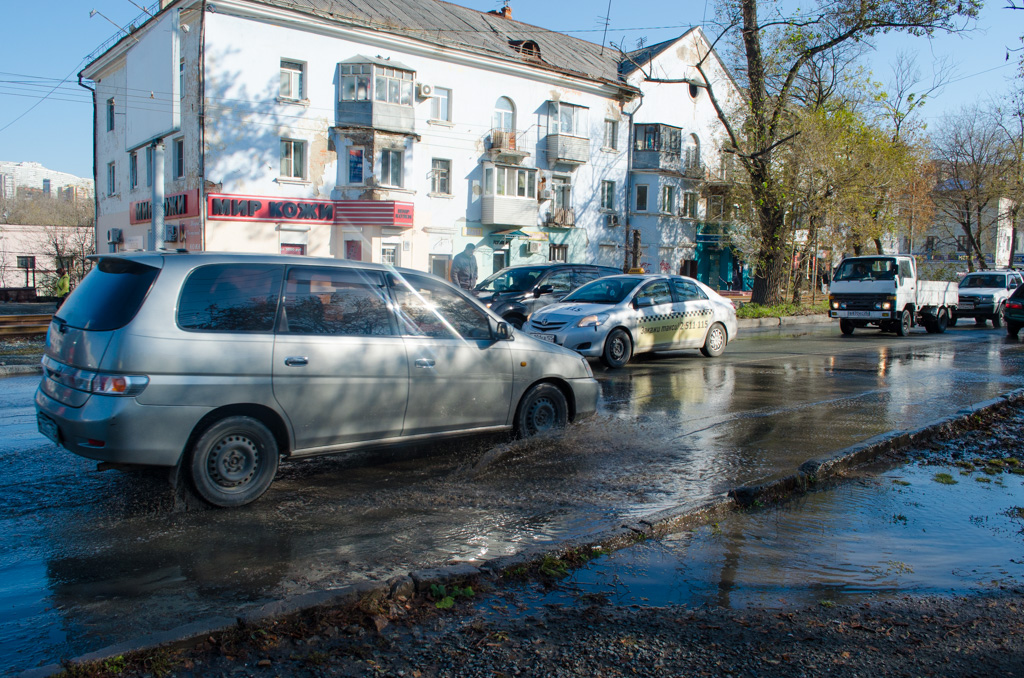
(897, 533)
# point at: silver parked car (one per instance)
(616, 317)
(222, 363)
(983, 296)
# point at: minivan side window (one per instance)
(230, 298)
(430, 308)
(335, 301)
(560, 281)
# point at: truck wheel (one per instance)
(1012, 329)
(997, 318)
(952, 320)
(846, 326)
(941, 321)
(904, 324)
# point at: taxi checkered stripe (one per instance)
(671, 316)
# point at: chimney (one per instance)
(506, 11)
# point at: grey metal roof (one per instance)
(638, 57)
(444, 23)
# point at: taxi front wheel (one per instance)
(618, 349)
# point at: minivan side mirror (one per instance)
(543, 289)
(503, 331)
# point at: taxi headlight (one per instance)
(592, 320)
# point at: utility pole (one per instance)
(156, 228)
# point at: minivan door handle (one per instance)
(296, 361)
(425, 363)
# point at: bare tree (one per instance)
(972, 168)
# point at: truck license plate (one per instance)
(48, 427)
(858, 314)
(543, 337)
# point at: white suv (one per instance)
(983, 295)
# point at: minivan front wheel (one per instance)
(234, 461)
(543, 408)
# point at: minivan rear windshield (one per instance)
(109, 296)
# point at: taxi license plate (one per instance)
(543, 337)
(48, 427)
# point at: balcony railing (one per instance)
(694, 170)
(503, 140)
(561, 217)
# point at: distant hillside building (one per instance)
(398, 132)
(31, 178)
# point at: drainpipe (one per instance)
(95, 179)
(629, 185)
(201, 119)
(157, 222)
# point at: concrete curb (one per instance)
(19, 370)
(773, 323)
(811, 473)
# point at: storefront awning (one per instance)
(510, 234)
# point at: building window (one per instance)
(355, 82)
(558, 253)
(292, 81)
(689, 209)
(608, 195)
(110, 114)
(641, 198)
(611, 134)
(440, 176)
(389, 255)
(567, 119)
(440, 105)
(691, 152)
(661, 138)
(149, 166)
(179, 158)
(391, 168)
(111, 178)
(504, 115)
(668, 199)
(961, 243)
(393, 86)
(355, 165)
(716, 208)
(133, 170)
(930, 242)
(293, 159)
(46, 187)
(515, 182)
(181, 78)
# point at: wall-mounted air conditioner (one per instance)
(114, 236)
(424, 91)
(612, 219)
(546, 194)
(535, 247)
(170, 233)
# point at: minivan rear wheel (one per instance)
(543, 408)
(234, 461)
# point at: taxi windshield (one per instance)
(605, 290)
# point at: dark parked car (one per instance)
(517, 291)
(1014, 313)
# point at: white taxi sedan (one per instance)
(615, 318)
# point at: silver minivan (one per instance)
(220, 364)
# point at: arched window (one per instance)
(691, 151)
(505, 115)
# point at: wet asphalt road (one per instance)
(94, 558)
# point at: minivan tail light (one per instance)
(94, 382)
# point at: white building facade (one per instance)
(326, 128)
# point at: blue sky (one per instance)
(47, 42)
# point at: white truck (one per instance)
(883, 291)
